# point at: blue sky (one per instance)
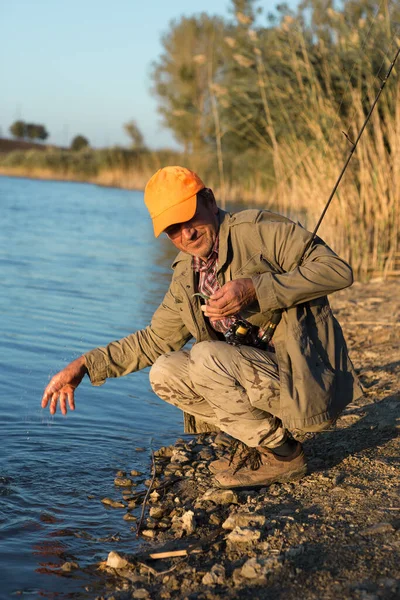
(82, 66)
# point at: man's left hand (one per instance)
(230, 299)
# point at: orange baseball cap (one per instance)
(170, 196)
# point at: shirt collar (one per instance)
(199, 264)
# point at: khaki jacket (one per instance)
(317, 377)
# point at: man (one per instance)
(231, 272)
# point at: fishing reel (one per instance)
(243, 333)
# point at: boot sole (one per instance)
(287, 477)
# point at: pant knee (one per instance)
(209, 355)
(158, 372)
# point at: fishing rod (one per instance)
(277, 314)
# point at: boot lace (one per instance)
(248, 457)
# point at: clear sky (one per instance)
(82, 66)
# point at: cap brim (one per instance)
(179, 213)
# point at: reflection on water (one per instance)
(79, 267)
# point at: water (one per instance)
(79, 267)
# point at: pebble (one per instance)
(377, 528)
(188, 522)
(69, 566)
(150, 533)
(216, 576)
(154, 496)
(243, 536)
(243, 520)
(141, 593)
(135, 473)
(257, 569)
(156, 512)
(220, 496)
(116, 561)
(113, 503)
(130, 517)
(164, 452)
(180, 457)
(123, 481)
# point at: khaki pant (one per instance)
(235, 388)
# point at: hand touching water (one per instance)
(230, 299)
(63, 385)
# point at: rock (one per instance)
(129, 517)
(220, 496)
(141, 593)
(132, 504)
(243, 536)
(188, 522)
(116, 561)
(180, 457)
(377, 528)
(123, 481)
(150, 533)
(121, 473)
(113, 503)
(135, 473)
(206, 454)
(154, 496)
(257, 570)
(216, 576)
(156, 512)
(164, 452)
(243, 520)
(69, 566)
(140, 449)
(214, 519)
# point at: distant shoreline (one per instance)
(103, 179)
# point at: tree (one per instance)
(79, 142)
(181, 78)
(133, 131)
(42, 133)
(17, 129)
(22, 130)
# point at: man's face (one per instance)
(197, 236)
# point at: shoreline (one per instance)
(333, 534)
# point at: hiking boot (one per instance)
(222, 464)
(271, 469)
(232, 459)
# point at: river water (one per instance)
(79, 267)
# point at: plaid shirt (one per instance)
(208, 284)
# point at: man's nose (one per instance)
(188, 231)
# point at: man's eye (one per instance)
(172, 230)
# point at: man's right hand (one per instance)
(62, 386)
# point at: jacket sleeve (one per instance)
(166, 333)
(322, 271)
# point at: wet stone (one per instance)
(69, 566)
(123, 481)
(116, 561)
(129, 517)
(113, 503)
(149, 533)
